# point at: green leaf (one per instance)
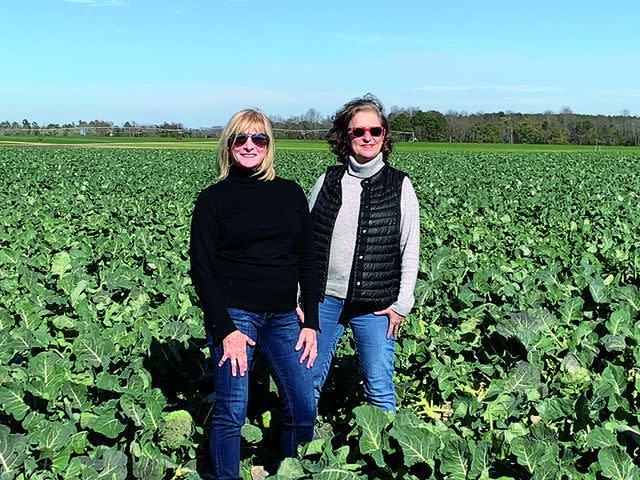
(418, 444)
(48, 372)
(13, 450)
(599, 291)
(480, 461)
(522, 326)
(290, 469)
(546, 471)
(528, 452)
(60, 264)
(629, 294)
(93, 350)
(571, 310)
(372, 422)
(600, 437)
(132, 410)
(12, 401)
(524, 376)
(110, 464)
(251, 433)
(455, 458)
(617, 465)
(106, 424)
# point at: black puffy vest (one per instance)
(375, 270)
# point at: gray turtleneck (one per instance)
(343, 239)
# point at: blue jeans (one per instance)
(374, 350)
(275, 335)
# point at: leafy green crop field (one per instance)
(521, 359)
(283, 144)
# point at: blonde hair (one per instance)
(245, 121)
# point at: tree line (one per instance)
(562, 128)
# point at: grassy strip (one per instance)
(200, 143)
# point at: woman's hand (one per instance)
(234, 347)
(300, 314)
(308, 339)
(395, 321)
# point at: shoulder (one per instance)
(209, 194)
(408, 193)
(288, 187)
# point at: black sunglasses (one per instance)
(360, 131)
(260, 140)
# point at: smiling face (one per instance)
(366, 147)
(249, 155)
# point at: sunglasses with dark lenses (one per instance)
(260, 140)
(360, 131)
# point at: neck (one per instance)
(365, 170)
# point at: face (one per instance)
(249, 155)
(366, 148)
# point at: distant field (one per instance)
(200, 143)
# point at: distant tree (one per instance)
(400, 122)
(26, 124)
(559, 136)
(429, 126)
(528, 132)
(484, 133)
(583, 130)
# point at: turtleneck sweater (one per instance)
(343, 239)
(251, 243)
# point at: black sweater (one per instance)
(251, 242)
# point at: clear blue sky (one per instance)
(198, 61)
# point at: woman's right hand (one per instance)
(234, 348)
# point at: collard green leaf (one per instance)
(524, 376)
(418, 443)
(60, 264)
(616, 464)
(480, 461)
(599, 291)
(48, 372)
(93, 350)
(455, 458)
(372, 422)
(290, 469)
(571, 310)
(601, 437)
(251, 433)
(12, 401)
(528, 452)
(13, 450)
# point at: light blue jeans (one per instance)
(374, 350)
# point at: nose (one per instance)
(367, 136)
(248, 145)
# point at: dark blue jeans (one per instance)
(375, 351)
(276, 335)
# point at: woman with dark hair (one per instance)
(251, 243)
(366, 240)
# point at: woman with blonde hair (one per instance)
(251, 243)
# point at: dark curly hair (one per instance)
(338, 136)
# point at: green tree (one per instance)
(400, 122)
(429, 126)
(528, 132)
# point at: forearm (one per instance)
(409, 248)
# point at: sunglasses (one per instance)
(260, 140)
(360, 131)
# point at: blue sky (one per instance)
(198, 61)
